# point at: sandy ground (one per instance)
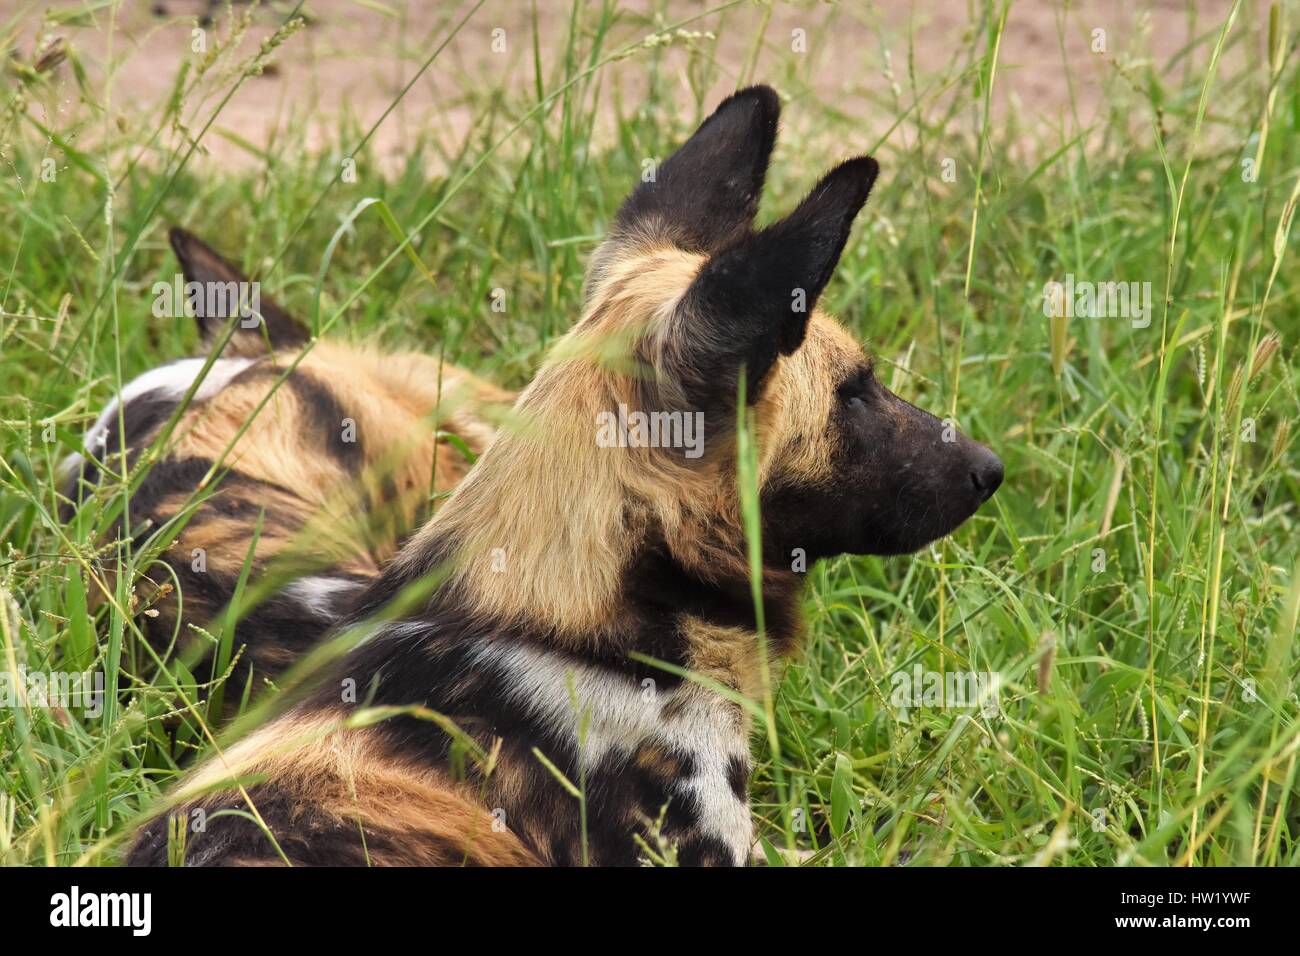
(354, 57)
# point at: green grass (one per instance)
(1148, 709)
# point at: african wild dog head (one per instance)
(684, 296)
(850, 467)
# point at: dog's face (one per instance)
(857, 469)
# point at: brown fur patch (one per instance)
(342, 778)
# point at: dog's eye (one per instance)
(855, 393)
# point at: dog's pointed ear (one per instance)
(706, 194)
(201, 264)
(750, 304)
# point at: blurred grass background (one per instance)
(1134, 583)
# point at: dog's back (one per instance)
(291, 474)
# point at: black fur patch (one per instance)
(707, 193)
(753, 300)
(738, 778)
(661, 590)
(129, 427)
(326, 417)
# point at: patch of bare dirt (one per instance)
(1056, 72)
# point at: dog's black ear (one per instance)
(706, 194)
(221, 301)
(751, 303)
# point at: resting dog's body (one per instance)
(313, 480)
(571, 571)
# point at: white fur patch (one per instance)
(623, 717)
(320, 594)
(173, 380)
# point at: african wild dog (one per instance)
(337, 467)
(570, 569)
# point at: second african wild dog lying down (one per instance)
(569, 564)
(338, 466)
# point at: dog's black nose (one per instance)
(986, 474)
